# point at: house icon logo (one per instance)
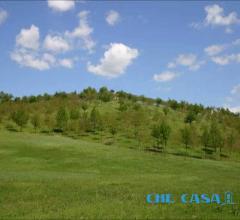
(228, 198)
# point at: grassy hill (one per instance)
(56, 177)
(98, 154)
(124, 119)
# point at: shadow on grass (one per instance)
(181, 154)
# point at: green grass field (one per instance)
(55, 177)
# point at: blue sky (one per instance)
(180, 50)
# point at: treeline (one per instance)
(149, 123)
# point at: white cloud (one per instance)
(234, 99)
(222, 60)
(49, 58)
(115, 60)
(171, 65)
(83, 31)
(56, 44)
(3, 16)
(68, 63)
(235, 109)
(215, 16)
(112, 17)
(29, 59)
(226, 59)
(214, 49)
(165, 76)
(28, 38)
(236, 90)
(30, 53)
(187, 60)
(61, 5)
(39, 61)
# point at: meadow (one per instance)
(56, 177)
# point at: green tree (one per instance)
(20, 117)
(105, 95)
(205, 137)
(36, 121)
(95, 119)
(190, 117)
(231, 139)
(84, 106)
(74, 114)
(166, 110)
(186, 136)
(88, 94)
(62, 118)
(216, 140)
(159, 101)
(84, 122)
(161, 133)
(123, 105)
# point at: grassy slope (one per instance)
(58, 177)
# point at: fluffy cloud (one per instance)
(226, 59)
(112, 17)
(61, 5)
(165, 76)
(222, 60)
(29, 59)
(28, 38)
(187, 60)
(29, 52)
(3, 16)
(115, 60)
(56, 44)
(83, 31)
(214, 52)
(215, 16)
(214, 49)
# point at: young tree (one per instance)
(74, 114)
(95, 118)
(35, 120)
(138, 119)
(159, 101)
(231, 139)
(166, 110)
(84, 106)
(186, 136)
(20, 117)
(84, 122)
(88, 94)
(205, 138)
(190, 117)
(105, 95)
(113, 131)
(161, 133)
(123, 105)
(62, 118)
(216, 139)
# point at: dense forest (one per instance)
(120, 118)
